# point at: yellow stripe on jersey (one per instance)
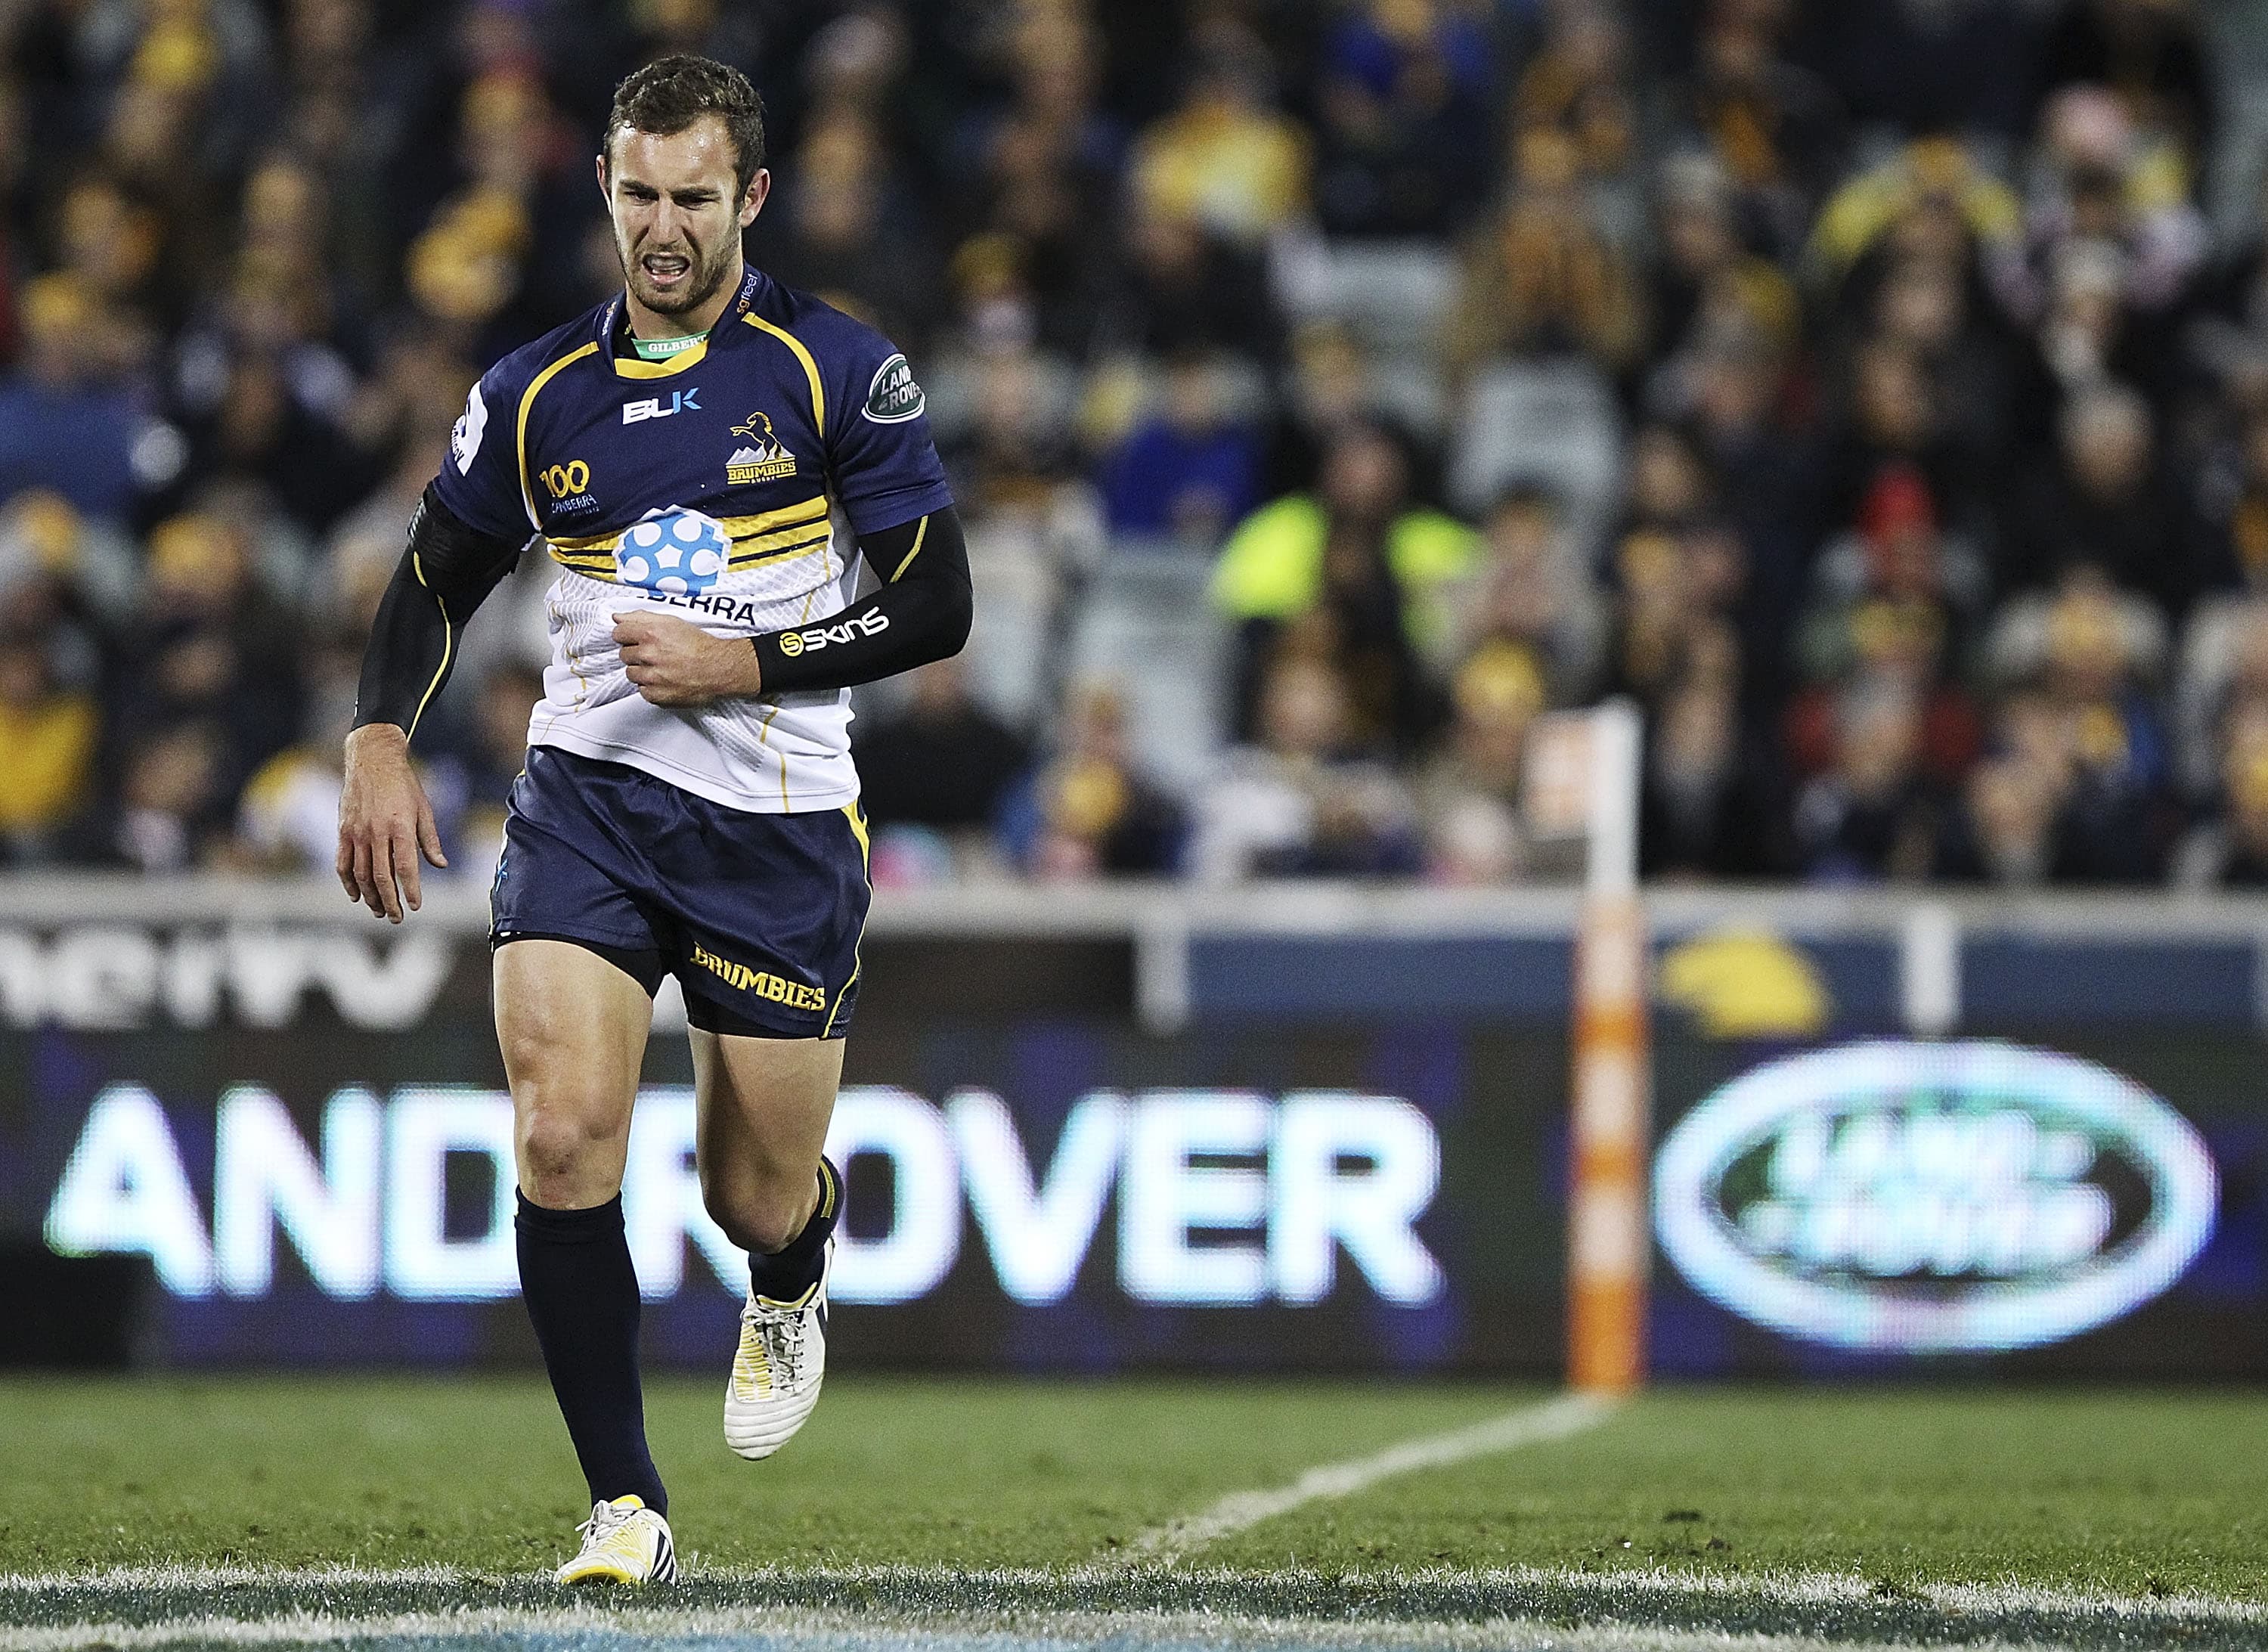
(810, 370)
(527, 402)
(792, 530)
(806, 513)
(758, 547)
(812, 510)
(600, 564)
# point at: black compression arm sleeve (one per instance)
(445, 573)
(921, 613)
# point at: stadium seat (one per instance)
(1547, 424)
(1394, 294)
(1016, 600)
(1147, 625)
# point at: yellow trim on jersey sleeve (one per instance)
(527, 401)
(639, 367)
(448, 647)
(810, 370)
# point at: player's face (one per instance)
(677, 216)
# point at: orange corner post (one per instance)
(1608, 1248)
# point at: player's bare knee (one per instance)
(563, 1155)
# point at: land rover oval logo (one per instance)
(893, 397)
(1933, 1198)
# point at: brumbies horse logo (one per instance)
(763, 459)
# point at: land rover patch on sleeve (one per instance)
(893, 397)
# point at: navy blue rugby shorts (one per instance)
(758, 916)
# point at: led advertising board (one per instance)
(1964, 1196)
(298, 1140)
(1039, 1193)
(1286, 1185)
(1890, 1207)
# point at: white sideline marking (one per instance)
(172, 1576)
(1032, 1628)
(1654, 1581)
(898, 1629)
(872, 1630)
(1531, 1425)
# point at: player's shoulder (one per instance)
(857, 360)
(822, 326)
(517, 368)
(503, 388)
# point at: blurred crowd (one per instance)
(1874, 391)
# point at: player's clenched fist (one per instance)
(384, 822)
(675, 663)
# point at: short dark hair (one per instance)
(671, 93)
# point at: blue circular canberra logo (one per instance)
(676, 552)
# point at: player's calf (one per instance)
(761, 1216)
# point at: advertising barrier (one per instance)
(1896, 1207)
(1043, 1194)
(1088, 1145)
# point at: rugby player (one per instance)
(688, 805)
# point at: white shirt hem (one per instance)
(569, 739)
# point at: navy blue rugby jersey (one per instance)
(699, 485)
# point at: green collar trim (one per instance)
(663, 349)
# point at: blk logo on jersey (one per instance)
(675, 552)
(763, 459)
(651, 408)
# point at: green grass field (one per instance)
(1893, 1493)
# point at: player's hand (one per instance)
(384, 822)
(676, 663)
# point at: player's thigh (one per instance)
(764, 1106)
(572, 1027)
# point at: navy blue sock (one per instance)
(786, 1275)
(582, 1294)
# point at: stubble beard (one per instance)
(708, 276)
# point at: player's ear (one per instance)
(604, 193)
(760, 187)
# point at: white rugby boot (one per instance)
(776, 1375)
(624, 1542)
